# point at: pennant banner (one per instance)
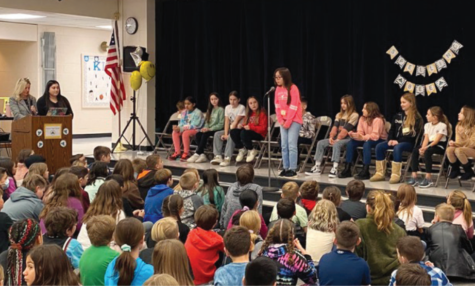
(449, 55)
(456, 46)
(432, 68)
(392, 52)
(420, 89)
(430, 88)
(441, 64)
(421, 70)
(400, 61)
(409, 68)
(441, 83)
(400, 80)
(409, 87)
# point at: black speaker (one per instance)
(129, 64)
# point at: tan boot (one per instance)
(395, 173)
(380, 174)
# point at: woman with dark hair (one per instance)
(190, 123)
(288, 110)
(214, 121)
(52, 97)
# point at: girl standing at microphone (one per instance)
(288, 110)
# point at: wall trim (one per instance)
(95, 135)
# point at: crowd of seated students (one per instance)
(197, 234)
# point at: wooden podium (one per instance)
(49, 136)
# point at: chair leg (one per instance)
(304, 164)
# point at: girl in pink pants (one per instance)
(190, 123)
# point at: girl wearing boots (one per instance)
(370, 132)
(345, 121)
(405, 127)
(435, 141)
(464, 144)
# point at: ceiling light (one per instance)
(109, 27)
(19, 16)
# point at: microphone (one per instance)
(270, 90)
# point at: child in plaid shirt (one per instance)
(307, 131)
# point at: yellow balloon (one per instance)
(147, 70)
(135, 80)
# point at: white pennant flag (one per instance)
(409, 68)
(441, 83)
(441, 64)
(420, 89)
(421, 70)
(456, 46)
(400, 80)
(400, 61)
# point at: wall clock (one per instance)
(131, 25)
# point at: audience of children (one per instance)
(156, 195)
(95, 260)
(353, 206)
(214, 121)
(139, 165)
(251, 220)
(26, 201)
(102, 154)
(188, 170)
(131, 192)
(448, 246)
(411, 275)
(173, 206)
(286, 209)
(97, 176)
(5, 224)
(411, 250)
(237, 245)
(146, 179)
(83, 175)
(191, 200)
(309, 195)
(21, 169)
(463, 211)
(161, 280)
(78, 160)
(342, 266)
(165, 228)
(10, 185)
(409, 212)
(290, 190)
(261, 271)
(321, 229)
(170, 257)
(128, 268)
(204, 247)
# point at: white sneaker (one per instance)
(333, 173)
(193, 158)
(226, 162)
(202, 159)
(241, 155)
(218, 159)
(252, 155)
(314, 171)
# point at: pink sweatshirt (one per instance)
(374, 132)
(460, 219)
(286, 114)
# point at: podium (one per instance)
(49, 136)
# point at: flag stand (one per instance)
(134, 118)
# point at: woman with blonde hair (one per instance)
(463, 211)
(22, 103)
(169, 257)
(252, 221)
(405, 128)
(345, 122)
(379, 236)
(464, 144)
(322, 224)
(165, 228)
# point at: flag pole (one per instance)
(119, 147)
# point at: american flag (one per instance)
(112, 69)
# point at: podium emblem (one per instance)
(39, 132)
(40, 144)
(63, 143)
(65, 131)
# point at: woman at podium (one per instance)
(52, 99)
(22, 103)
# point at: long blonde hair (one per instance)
(66, 186)
(20, 87)
(324, 216)
(406, 195)
(469, 121)
(459, 201)
(169, 257)
(252, 221)
(412, 114)
(382, 210)
(108, 201)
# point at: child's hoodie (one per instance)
(203, 248)
(191, 202)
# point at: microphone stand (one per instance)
(269, 188)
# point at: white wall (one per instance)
(71, 43)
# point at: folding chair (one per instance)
(274, 152)
(449, 169)
(405, 163)
(166, 135)
(359, 151)
(307, 150)
(437, 159)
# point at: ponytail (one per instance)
(172, 205)
(128, 234)
(382, 210)
(467, 212)
(459, 201)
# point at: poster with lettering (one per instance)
(96, 83)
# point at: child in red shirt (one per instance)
(253, 127)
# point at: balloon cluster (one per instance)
(146, 70)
